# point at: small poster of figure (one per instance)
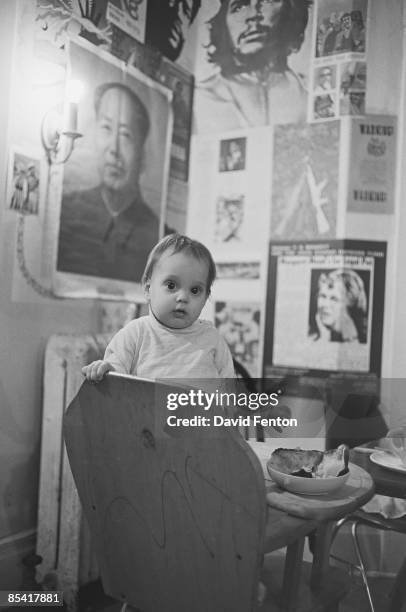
(23, 183)
(324, 79)
(232, 154)
(129, 16)
(341, 27)
(324, 308)
(238, 323)
(229, 218)
(181, 82)
(353, 77)
(305, 180)
(325, 106)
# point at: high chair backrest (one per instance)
(177, 513)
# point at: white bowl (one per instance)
(307, 486)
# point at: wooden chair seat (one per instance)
(178, 515)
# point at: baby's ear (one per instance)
(146, 291)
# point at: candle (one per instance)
(71, 118)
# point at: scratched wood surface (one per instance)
(177, 514)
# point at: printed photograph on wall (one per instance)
(229, 218)
(325, 306)
(325, 78)
(353, 78)
(238, 323)
(232, 154)
(341, 27)
(115, 181)
(181, 83)
(305, 180)
(129, 16)
(324, 106)
(252, 69)
(338, 306)
(23, 182)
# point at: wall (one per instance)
(25, 328)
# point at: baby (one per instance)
(171, 341)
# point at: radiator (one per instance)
(63, 540)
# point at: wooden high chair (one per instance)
(178, 515)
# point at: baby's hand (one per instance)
(96, 370)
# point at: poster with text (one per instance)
(324, 309)
(371, 183)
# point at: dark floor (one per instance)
(356, 601)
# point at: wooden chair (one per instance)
(178, 515)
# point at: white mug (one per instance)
(397, 442)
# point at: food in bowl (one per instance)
(310, 463)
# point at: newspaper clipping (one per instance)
(325, 306)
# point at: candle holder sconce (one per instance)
(59, 143)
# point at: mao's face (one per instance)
(253, 24)
(332, 305)
(119, 143)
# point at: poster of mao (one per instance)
(305, 181)
(252, 63)
(324, 309)
(114, 183)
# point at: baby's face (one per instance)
(177, 290)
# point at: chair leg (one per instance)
(337, 526)
(398, 594)
(361, 563)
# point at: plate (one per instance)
(307, 486)
(389, 461)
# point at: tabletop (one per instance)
(358, 489)
(387, 482)
(309, 511)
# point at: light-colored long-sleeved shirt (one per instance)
(148, 349)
